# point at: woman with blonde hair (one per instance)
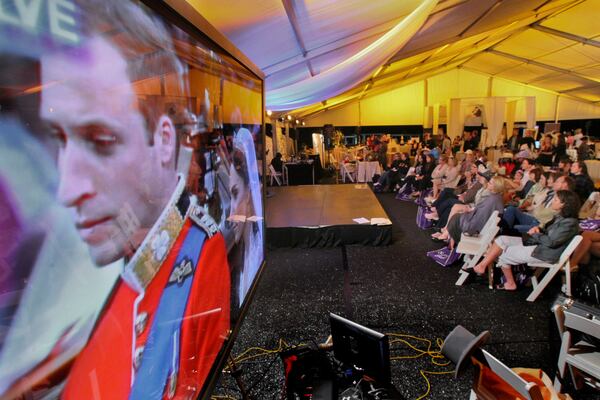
(473, 221)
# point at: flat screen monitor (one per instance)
(131, 203)
(361, 347)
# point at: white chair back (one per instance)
(274, 175)
(570, 249)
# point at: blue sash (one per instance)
(160, 359)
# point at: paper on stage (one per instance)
(254, 218)
(361, 220)
(380, 221)
(365, 186)
(237, 218)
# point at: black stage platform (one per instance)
(322, 216)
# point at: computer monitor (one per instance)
(361, 347)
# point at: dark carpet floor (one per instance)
(394, 289)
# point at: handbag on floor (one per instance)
(404, 192)
(423, 222)
(444, 256)
(421, 199)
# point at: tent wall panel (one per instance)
(573, 109)
(403, 106)
(456, 83)
(341, 116)
(545, 101)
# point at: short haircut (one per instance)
(570, 182)
(571, 204)
(582, 166)
(537, 173)
(146, 45)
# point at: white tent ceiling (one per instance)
(549, 44)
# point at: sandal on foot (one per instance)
(501, 287)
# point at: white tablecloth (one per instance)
(366, 170)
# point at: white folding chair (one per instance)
(275, 175)
(552, 269)
(527, 390)
(348, 171)
(474, 247)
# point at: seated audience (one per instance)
(397, 171)
(583, 150)
(422, 178)
(546, 151)
(560, 150)
(452, 177)
(532, 186)
(542, 213)
(539, 244)
(564, 165)
(277, 163)
(449, 203)
(438, 174)
(466, 163)
(583, 183)
(473, 221)
(545, 186)
(486, 189)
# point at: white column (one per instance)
(455, 120)
(530, 111)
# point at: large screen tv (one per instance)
(131, 200)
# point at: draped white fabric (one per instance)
(351, 71)
(455, 118)
(436, 118)
(280, 140)
(495, 109)
(530, 111)
(511, 109)
(318, 144)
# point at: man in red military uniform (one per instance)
(168, 315)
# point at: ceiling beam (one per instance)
(566, 35)
(373, 32)
(542, 65)
(587, 87)
(482, 16)
(536, 17)
(290, 11)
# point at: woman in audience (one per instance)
(423, 179)
(419, 166)
(533, 186)
(583, 183)
(448, 180)
(397, 171)
(473, 221)
(448, 203)
(452, 177)
(487, 189)
(546, 181)
(538, 244)
(546, 151)
(438, 174)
